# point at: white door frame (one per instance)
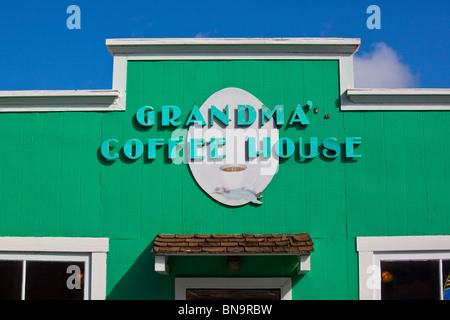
(282, 283)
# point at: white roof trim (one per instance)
(327, 46)
(124, 50)
(184, 41)
(397, 100)
(60, 100)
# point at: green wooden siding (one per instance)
(54, 182)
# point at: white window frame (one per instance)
(92, 251)
(282, 283)
(373, 250)
(24, 258)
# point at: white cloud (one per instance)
(203, 35)
(207, 34)
(382, 68)
(326, 28)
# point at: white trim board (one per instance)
(226, 46)
(60, 100)
(403, 243)
(397, 100)
(282, 283)
(54, 244)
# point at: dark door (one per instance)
(233, 294)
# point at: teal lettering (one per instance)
(251, 147)
(284, 147)
(170, 115)
(195, 117)
(214, 145)
(313, 148)
(152, 143)
(330, 144)
(243, 112)
(216, 113)
(350, 143)
(106, 147)
(299, 116)
(145, 116)
(133, 144)
(266, 113)
(171, 150)
(194, 144)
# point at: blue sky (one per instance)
(38, 51)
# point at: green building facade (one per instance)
(56, 183)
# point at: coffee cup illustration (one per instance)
(237, 176)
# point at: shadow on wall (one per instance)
(141, 282)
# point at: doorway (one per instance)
(233, 294)
(233, 288)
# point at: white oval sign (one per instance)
(223, 169)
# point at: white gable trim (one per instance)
(339, 49)
(60, 100)
(411, 99)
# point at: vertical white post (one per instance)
(161, 265)
(304, 263)
(24, 275)
(98, 276)
(120, 78)
(441, 281)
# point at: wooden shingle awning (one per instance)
(232, 244)
(299, 244)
